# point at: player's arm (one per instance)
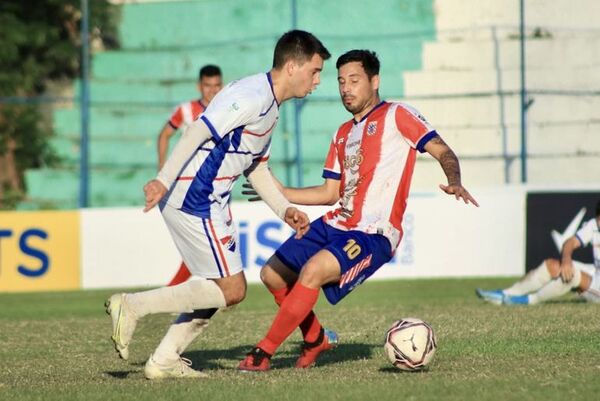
(327, 193)
(196, 134)
(437, 148)
(566, 261)
(324, 194)
(163, 143)
(265, 185)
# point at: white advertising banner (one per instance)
(442, 238)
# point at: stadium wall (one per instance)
(123, 247)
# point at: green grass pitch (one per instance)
(55, 346)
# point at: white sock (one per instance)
(180, 335)
(555, 288)
(533, 281)
(185, 297)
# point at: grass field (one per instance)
(55, 346)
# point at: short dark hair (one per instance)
(598, 209)
(299, 46)
(367, 58)
(209, 70)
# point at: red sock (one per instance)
(181, 276)
(310, 327)
(294, 309)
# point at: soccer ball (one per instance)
(410, 344)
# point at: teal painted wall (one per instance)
(134, 89)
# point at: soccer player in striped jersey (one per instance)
(232, 137)
(368, 171)
(554, 278)
(210, 82)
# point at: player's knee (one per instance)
(235, 295)
(553, 266)
(311, 275)
(266, 275)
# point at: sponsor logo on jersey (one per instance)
(228, 242)
(372, 128)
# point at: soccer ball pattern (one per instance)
(410, 344)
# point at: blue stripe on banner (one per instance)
(331, 174)
(212, 129)
(212, 247)
(196, 200)
(423, 141)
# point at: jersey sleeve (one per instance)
(413, 127)
(176, 118)
(265, 153)
(586, 232)
(332, 169)
(231, 108)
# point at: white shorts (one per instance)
(593, 293)
(208, 246)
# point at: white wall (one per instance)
(443, 238)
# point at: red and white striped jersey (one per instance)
(186, 113)
(374, 160)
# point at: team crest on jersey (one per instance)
(372, 128)
(228, 242)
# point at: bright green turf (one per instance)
(55, 346)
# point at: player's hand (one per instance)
(249, 191)
(459, 192)
(154, 191)
(566, 272)
(298, 220)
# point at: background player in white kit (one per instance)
(554, 277)
(231, 138)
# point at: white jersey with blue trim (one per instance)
(589, 233)
(241, 118)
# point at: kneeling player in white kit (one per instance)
(554, 278)
(232, 137)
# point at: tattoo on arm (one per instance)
(449, 162)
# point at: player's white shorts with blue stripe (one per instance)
(208, 246)
(593, 293)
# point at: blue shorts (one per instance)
(359, 254)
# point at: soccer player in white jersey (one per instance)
(368, 171)
(232, 137)
(210, 82)
(554, 277)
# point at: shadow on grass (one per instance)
(212, 359)
(396, 371)
(119, 374)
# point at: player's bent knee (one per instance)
(553, 266)
(234, 296)
(312, 276)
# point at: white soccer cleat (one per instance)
(123, 323)
(180, 369)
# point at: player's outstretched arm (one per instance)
(261, 179)
(324, 194)
(437, 148)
